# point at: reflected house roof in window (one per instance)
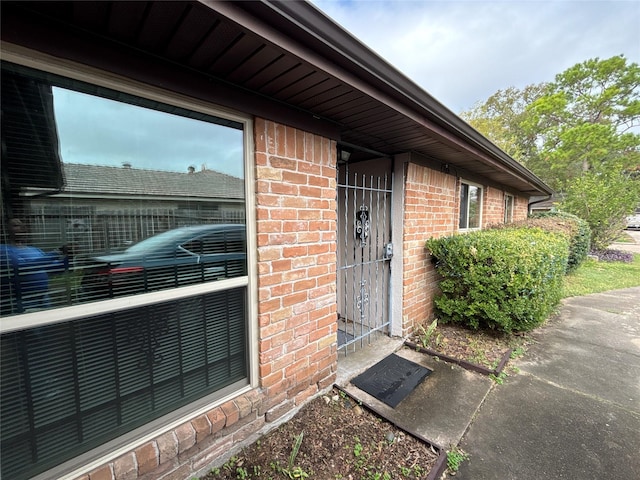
(127, 181)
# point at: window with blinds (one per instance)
(470, 206)
(67, 388)
(106, 195)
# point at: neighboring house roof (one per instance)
(280, 60)
(544, 203)
(128, 181)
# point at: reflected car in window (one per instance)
(175, 258)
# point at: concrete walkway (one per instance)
(628, 246)
(573, 411)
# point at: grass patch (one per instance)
(595, 277)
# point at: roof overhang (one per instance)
(281, 60)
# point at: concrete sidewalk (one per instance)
(573, 412)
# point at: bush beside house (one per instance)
(579, 234)
(508, 280)
(576, 229)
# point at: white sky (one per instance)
(462, 52)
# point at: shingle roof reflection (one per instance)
(98, 179)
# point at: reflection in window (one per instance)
(508, 208)
(470, 206)
(91, 184)
(107, 195)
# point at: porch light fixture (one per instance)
(344, 155)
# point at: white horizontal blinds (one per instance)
(89, 172)
(105, 195)
(69, 387)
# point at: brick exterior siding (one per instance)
(431, 209)
(297, 312)
(493, 207)
(520, 208)
(296, 228)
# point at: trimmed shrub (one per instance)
(507, 279)
(580, 234)
(576, 230)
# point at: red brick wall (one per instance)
(493, 207)
(296, 227)
(296, 240)
(430, 209)
(520, 208)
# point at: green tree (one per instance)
(580, 134)
(585, 120)
(602, 199)
(502, 117)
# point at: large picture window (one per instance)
(108, 195)
(470, 206)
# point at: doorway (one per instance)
(364, 251)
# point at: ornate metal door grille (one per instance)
(364, 253)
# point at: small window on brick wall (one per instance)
(470, 206)
(509, 202)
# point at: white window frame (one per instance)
(109, 451)
(509, 208)
(481, 190)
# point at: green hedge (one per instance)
(508, 279)
(580, 234)
(576, 230)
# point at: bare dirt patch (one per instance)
(340, 440)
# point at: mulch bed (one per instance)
(482, 351)
(341, 440)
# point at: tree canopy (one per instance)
(587, 118)
(576, 132)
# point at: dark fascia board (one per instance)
(27, 28)
(305, 23)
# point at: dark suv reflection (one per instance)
(183, 256)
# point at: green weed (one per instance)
(455, 457)
(427, 333)
(498, 379)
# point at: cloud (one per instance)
(461, 52)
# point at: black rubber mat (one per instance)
(391, 379)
